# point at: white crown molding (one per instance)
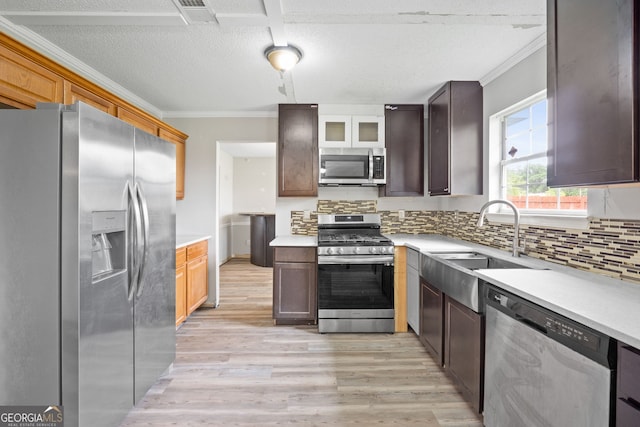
(218, 114)
(63, 58)
(533, 46)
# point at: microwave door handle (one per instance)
(370, 165)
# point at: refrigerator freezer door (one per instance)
(29, 258)
(154, 309)
(97, 319)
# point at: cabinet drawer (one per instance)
(197, 249)
(181, 257)
(413, 258)
(301, 254)
(627, 414)
(629, 372)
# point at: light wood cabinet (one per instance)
(74, 92)
(192, 279)
(27, 77)
(197, 283)
(298, 150)
(295, 285)
(24, 83)
(400, 288)
(180, 144)
(181, 286)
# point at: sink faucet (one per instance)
(516, 222)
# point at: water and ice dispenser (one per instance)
(109, 248)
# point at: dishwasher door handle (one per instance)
(530, 323)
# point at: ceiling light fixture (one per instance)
(283, 58)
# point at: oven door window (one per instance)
(355, 286)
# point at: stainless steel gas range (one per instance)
(355, 275)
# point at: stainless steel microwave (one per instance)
(352, 166)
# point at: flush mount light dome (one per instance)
(283, 58)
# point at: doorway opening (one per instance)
(246, 184)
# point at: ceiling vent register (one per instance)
(196, 11)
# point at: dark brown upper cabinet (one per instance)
(455, 139)
(298, 150)
(404, 140)
(592, 90)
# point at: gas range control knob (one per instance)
(329, 251)
(372, 250)
(356, 250)
(340, 251)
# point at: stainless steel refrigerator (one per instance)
(87, 261)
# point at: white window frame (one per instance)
(545, 217)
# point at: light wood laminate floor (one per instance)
(235, 368)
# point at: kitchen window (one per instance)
(523, 165)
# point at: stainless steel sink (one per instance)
(453, 274)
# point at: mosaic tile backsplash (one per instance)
(608, 247)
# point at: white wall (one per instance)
(197, 213)
(254, 190)
(226, 174)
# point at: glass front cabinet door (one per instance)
(367, 131)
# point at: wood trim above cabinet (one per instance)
(23, 83)
(73, 93)
(28, 77)
(135, 119)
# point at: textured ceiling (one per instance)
(355, 52)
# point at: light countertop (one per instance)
(608, 305)
(429, 242)
(294, 240)
(183, 240)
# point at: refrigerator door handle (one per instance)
(143, 247)
(134, 240)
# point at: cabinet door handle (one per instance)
(390, 107)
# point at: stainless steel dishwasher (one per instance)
(542, 369)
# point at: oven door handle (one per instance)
(355, 259)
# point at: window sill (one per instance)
(563, 221)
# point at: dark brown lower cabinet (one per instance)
(431, 325)
(628, 392)
(464, 350)
(295, 286)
